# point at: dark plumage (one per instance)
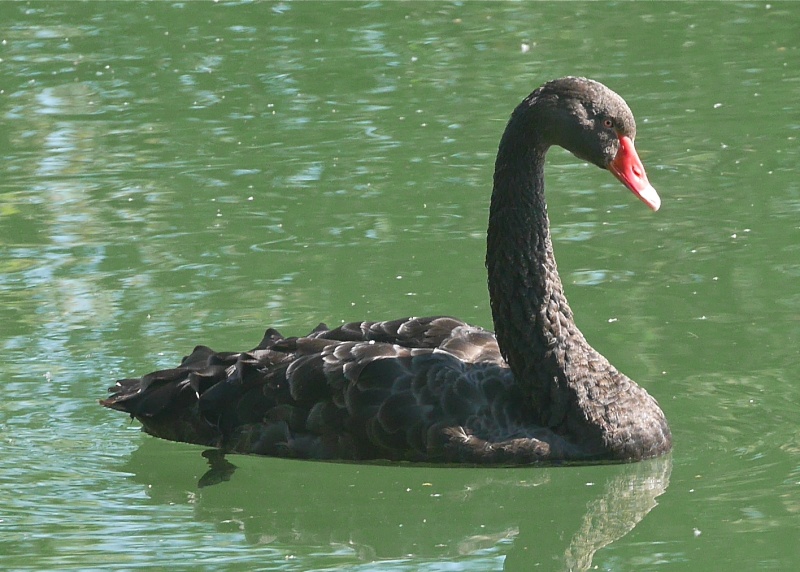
(436, 389)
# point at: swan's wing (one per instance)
(363, 390)
(467, 343)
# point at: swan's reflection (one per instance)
(556, 517)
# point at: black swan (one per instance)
(436, 389)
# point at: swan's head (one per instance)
(595, 124)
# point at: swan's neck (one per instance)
(533, 321)
(571, 389)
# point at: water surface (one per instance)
(175, 174)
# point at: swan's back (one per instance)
(393, 390)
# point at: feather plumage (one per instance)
(437, 389)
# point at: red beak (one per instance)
(628, 168)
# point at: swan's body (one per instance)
(436, 389)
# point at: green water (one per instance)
(175, 174)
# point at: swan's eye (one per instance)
(607, 123)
